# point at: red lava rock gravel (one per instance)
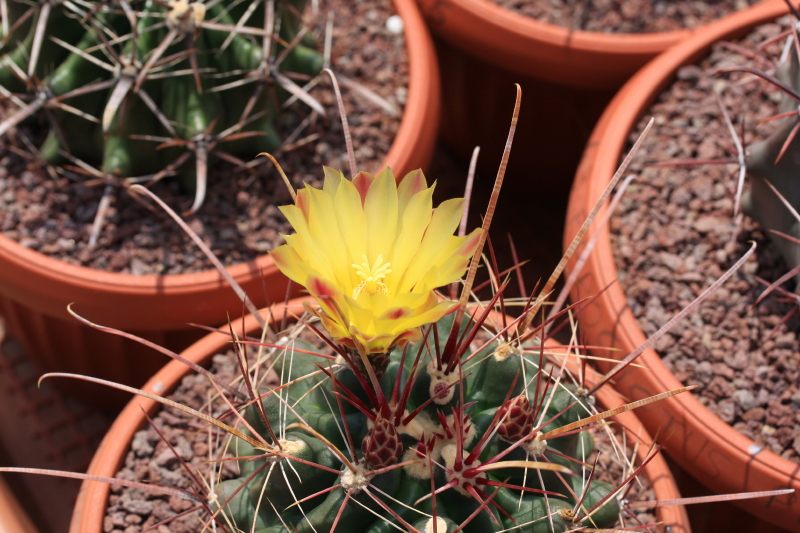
(132, 510)
(674, 234)
(239, 219)
(625, 16)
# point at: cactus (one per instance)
(774, 163)
(776, 160)
(141, 87)
(483, 436)
(407, 419)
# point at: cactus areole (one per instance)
(136, 90)
(417, 423)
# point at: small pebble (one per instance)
(395, 24)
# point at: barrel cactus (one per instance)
(476, 436)
(774, 164)
(133, 90)
(422, 421)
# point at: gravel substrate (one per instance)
(625, 16)
(674, 234)
(239, 219)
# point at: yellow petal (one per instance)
(454, 257)
(432, 315)
(411, 184)
(380, 208)
(295, 217)
(408, 299)
(416, 218)
(335, 329)
(443, 223)
(327, 294)
(396, 314)
(412, 335)
(333, 178)
(359, 315)
(362, 182)
(352, 223)
(312, 257)
(452, 270)
(302, 201)
(387, 172)
(287, 260)
(324, 229)
(380, 303)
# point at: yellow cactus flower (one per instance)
(371, 252)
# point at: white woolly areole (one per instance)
(581, 393)
(469, 436)
(418, 470)
(449, 457)
(289, 447)
(441, 525)
(504, 351)
(536, 446)
(354, 481)
(413, 429)
(440, 379)
(429, 426)
(176, 18)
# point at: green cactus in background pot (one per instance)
(141, 88)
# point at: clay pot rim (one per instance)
(91, 503)
(93, 497)
(414, 142)
(580, 40)
(627, 107)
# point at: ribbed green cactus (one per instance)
(117, 80)
(774, 163)
(777, 160)
(464, 417)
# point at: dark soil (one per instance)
(674, 234)
(239, 219)
(626, 16)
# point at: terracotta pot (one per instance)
(13, 518)
(711, 450)
(92, 501)
(415, 142)
(553, 53)
(35, 289)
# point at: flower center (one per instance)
(371, 276)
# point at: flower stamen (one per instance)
(372, 276)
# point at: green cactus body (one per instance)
(282, 486)
(385, 431)
(178, 80)
(604, 517)
(239, 509)
(764, 165)
(536, 515)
